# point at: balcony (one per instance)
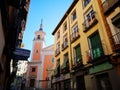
(57, 70)
(109, 5)
(77, 62)
(89, 23)
(64, 45)
(116, 42)
(57, 51)
(65, 67)
(96, 55)
(75, 35)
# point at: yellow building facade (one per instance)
(83, 50)
(111, 14)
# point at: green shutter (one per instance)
(77, 53)
(56, 69)
(64, 65)
(96, 45)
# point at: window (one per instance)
(65, 27)
(74, 16)
(57, 69)
(36, 51)
(52, 60)
(75, 28)
(75, 31)
(33, 69)
(65, 39)
(77, 54)
(90, 16)
(58, 34)
(85, 2)
(90, 19)
(66, 56)
(95, 45)
(38, 37)
(57, 48)
(65, 42)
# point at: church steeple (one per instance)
(41, 26)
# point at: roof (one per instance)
(65, 15)
(51, 47)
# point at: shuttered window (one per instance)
(96, 46)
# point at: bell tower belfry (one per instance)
(38, 43)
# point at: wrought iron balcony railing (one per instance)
(74, 36)
(64, 45)
(77, 62)
(94, 54)
(90, 22)
(116, 42)
(57, 51)
(109, 4)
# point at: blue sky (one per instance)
(51, 11)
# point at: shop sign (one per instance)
(21, 54)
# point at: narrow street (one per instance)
(59, 44)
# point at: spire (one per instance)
(41, 26)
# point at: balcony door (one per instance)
(95, 45)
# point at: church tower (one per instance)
(35, 66)
(38, 44)
(41, 60)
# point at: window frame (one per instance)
(73, 16)
(76, 55)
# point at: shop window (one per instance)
(103, 82)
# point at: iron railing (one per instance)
(108, 4)
(75, 35)
(116, 41)
(90, 22)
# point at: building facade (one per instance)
(41, 60)
(22, 68)
(83, 50)
(13, 17)
(111, 15)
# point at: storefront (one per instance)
(62, 83)
(104, 77)
(78, 80)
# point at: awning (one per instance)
(21, 54)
